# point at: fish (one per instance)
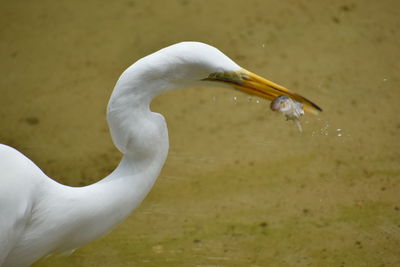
(292, 109)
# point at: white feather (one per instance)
(39, 216)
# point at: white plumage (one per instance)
(39, 216)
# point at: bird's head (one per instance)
(189, 64)
(183, 65)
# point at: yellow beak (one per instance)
(253, 84)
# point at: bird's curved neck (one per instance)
(142, 136)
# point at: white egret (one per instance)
(39, 216)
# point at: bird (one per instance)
(40, 217)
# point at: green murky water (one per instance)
(241, 186)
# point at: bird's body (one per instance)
(39, 216)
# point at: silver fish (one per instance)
(292, 109)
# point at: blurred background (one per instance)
(241, 186)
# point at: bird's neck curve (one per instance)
(134, 128)
(142, 136)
